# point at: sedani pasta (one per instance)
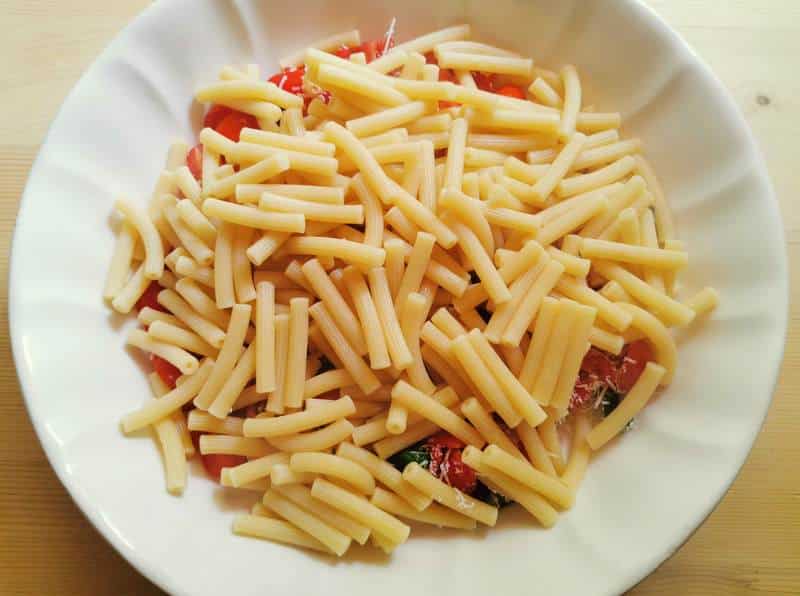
(400, 282)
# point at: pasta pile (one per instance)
(406, 254)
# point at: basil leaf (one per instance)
(418, 453)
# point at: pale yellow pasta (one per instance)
(241, 374)
(244, 215)
(188, 267)
(358, 508)
(486, 426)
(222, 444)
(320, 246)
(296, 353)
(550, 308)
(350, 359)
(660, 304)
(573, 265)
(265, 337)
(664, 348)
(242, 273)
(514, 120)
(380, 122)
(606, 175)
(264, 169)
(634, 401)
(471, 212)
(290, 424)
(448, 496)
(200, 421)
(197, 298)
(573, 356)
(529, 306)
(520, 399)
(275, 401)
(612, 314)
(318, 440)
(229, 353)
(704, 301)
(212, 334)
(535, 449)
(157, 409)
(433, 514)
(429, 408)
(657, 258)
(559, 168)
(332, 538)
(257, 526)
(133, 289)
(490, 278)
(416, 267)
(491, 390)
(572, 219)
(326, 464)
(368, 316)
(413, 315)
(119, 269)
(536, 505)
(373, 213)
(153, 265)
(164, 332)
(381, 297)
(503, 313)
(544, 93)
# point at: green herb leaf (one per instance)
(418, 453)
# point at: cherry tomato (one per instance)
(446, 441)
(459, 475)
(511, 91)
(634, 358)
(215, 115)
(290, 79)
(168, 373)
(214, 463)
(150, 298)
(231, 125)
(194, 161)
(484, 81)
(599, 365)
(430, 58)
(344, 52)
(370, 49)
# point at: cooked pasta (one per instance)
(392, 285)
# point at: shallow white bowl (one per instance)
(642, 496)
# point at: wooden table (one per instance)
(749, 545)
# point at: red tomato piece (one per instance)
(215, 115)
(583, 394)
(194, 161)
(484, 81)
(345, 52)
(214, 463)
(446, 441)
(290, 79)
(150, 298)
(231, 125)
(447, 74)
(511, 91)
(430, 58)
(168, 373)
(458, 474)
(634, 358)
(599, 365)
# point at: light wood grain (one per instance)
(749, 545)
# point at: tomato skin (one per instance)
(194, 161)
(634, 358)
(215, 115)
(231, 125)
(290, 79)
(430, 58)
(484, 81)
(150, 298)
(445, 440)
(600, 366)
(214, 462)
(168, 373)
(511, 91)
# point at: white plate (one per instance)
(643, 495)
